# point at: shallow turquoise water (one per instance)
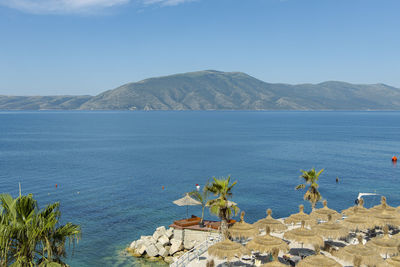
(119, 161)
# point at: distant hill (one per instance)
(215, 90)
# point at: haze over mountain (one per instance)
(215, 90)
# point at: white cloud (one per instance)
(77, 6)
(165, 2)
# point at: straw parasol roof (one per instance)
(299, 217)
(383, 206)
(318, 260)
(361, 211)
(242, 229)
(391, 262)
(227, 249)
(272, 223)
(331, 229)
(384, 245)
(384, 217)
(357, 222)
(304, 236)
(267, 243)
(275, 262)
(366, 255)
(322, 214)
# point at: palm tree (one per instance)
(202, 197)
(312, 194)
(33, 237)
(220, 206)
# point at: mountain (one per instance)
(42, 102)
(215, 90)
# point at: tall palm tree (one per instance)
(221, 206)
(202, 197)
(33, 237)
(312, 194)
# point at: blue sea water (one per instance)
(110, 166)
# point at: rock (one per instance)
(133, 245)
(169, 259)
(164, 240)
(178, 254)
(151, 250)
(159, 246)
(140, 249)
(152, 258)
(148, 239)
(161, 230)
(169, 233)
(176, 245)
(189, 244)
(156, 235)
(163, 252)
(167, 248)
(138, 243)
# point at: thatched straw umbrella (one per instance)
(322, 214)
(267, 243)
(391, 262)
(361, 211)
(359, 254)
(301, 216)
(304, 236)
(318, 260)
(242, 229)
(383, 206)
(384, 245)
(227, 249)
(357, 222)
(272, 223)
(275, 262)
(331, 230)
(384, 217)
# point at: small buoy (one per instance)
(394, 158)
(337, 179)
(56, 185)
(162, 187)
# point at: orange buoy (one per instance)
(394, 158)
(56, 185)
(162, 187)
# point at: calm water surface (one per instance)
(110, 166)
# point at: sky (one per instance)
(77, 47)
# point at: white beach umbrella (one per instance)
(186, 201)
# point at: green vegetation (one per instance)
(221, 206)
(312, 194)
(33, 237)
(202, 197)
(216, 90)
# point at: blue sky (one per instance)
(88, 46)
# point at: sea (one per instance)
(117, 173)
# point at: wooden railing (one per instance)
(195, 252)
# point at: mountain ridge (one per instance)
(217, 90)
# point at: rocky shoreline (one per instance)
(164, 245)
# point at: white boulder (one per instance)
(151, 250)
(189, 244)
(133, 245)
(140, 249)
(163, 252)
(169, 233)
(163, 240)
(176, 245)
